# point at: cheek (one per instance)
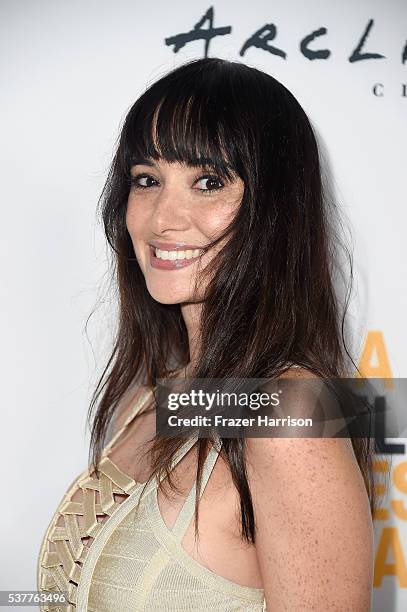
(213, 222)
(136, 227)
(134, 222)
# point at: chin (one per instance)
(166, 299)
(165, 295)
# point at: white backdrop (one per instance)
(69, 73)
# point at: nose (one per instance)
(168, 213)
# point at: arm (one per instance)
(314, 533)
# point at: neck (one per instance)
(191, 313)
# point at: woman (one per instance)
(224, 251)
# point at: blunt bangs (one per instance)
(182, 120)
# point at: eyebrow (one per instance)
(141, 161)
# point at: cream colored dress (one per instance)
(134, 562)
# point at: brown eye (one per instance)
(135, 181)
(213, 183)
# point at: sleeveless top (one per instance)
(135, 562)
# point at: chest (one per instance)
(220, 547)
(97, 545)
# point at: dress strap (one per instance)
(144, 395)
(141, 401)
(184, 517)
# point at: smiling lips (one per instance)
(172, 255)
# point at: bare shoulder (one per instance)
(304, 394)
(314, 533)
(298, 372)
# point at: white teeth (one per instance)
(172, 255)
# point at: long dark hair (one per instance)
(271, 299)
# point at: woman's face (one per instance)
(177, 209)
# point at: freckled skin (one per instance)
(173, 209)
(315, 535)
